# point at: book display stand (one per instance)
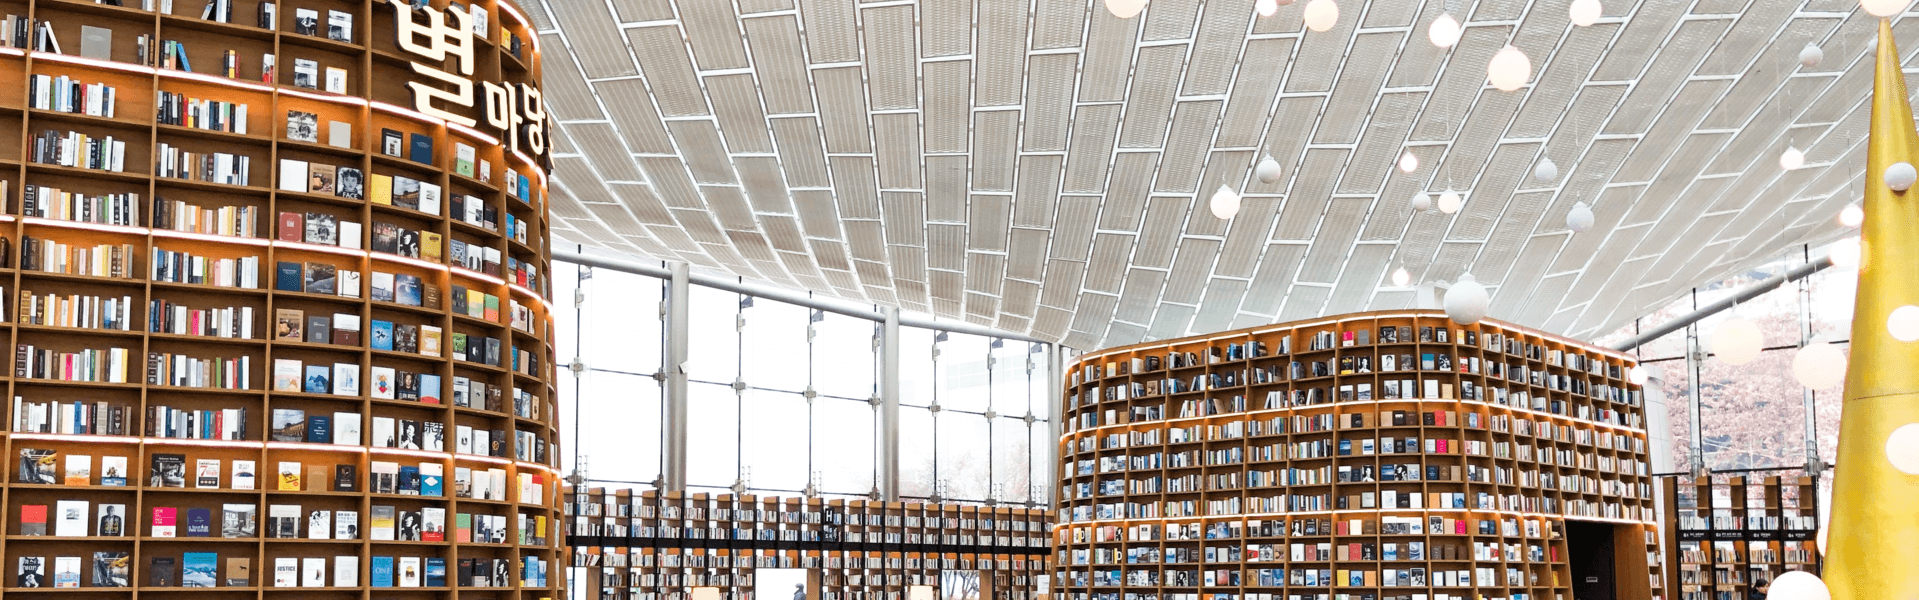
(278, 330)
(649, 546)
(1388, 455)
(1729, 532)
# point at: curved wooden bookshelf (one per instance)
(1374, 455)
(228, 413)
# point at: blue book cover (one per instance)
(319, 380)
(288, 278)
(431, 485)
(197, 569)
(421, 148)
(382, 335)
(435, 572)
(319, 429)
(409, 480)
(406, 289)
(526, 189)
(382, 571)
(430, 389)
(199, 522)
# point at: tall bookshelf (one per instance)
(194, 243)
(653, 546)
(1298, 461)
(1729, 532)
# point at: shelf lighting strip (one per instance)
(1566, 420)
(158, 441)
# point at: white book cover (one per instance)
(320, 525)
(350, 237)
(463, 439)
(313, 570)
(293, 175)
(346, 428)
(244, 475)
(346, 571)
(72, 518)
(286, 572)
(346, 525)
(346, 379)
(383, 433)
(430, 198)
(432, 476)
(384, 382)
(409, 571)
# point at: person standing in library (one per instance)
(1758, 590)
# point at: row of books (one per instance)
(304, 126)
(294, 325)
(44, 467)
(175, 215)
(317, 278)
(79, 150)
(180, 370)
(178, 109)
(166, 316)
(108, 365)
(170, 266)
(103, 260)
(75, 310)
(319, 228)
(77, 417)
(326, 180)
(105, 209)
(69, 95)
(196, 424)
(211, 167)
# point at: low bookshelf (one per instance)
(280, 326)
(1387, 455)
(647, 545)
(1730, 532)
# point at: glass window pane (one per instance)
(712, 455)
(843, 356)
(843, 442)
(964, 465)
(1753, 415)
(1009, 385)
(1041, 452)
(962, 373)
(1672, 382)
(621, 439)
(1040, 390)
(1826, 405)
(1832, 302)
(565, 322)
(773, 436)
(916, 452)
(1010, 459)
(623, 310)
(916, 366)
(774, 354)
(713, 345)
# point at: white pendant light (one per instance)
(1266, 8)
(1798, 585)
(1422, 201)
(1401, 277)
(1321, 15)
(1225, 203)
(1819, 366)
(1466, 301)
(1810, 55)
(1125, 9)
(1510, 69)
(1450, 201)
(1792, 159)
(1546, 171)
(1268, 170)
(1902, 448)
(1884, 8)
(1899, 176)
(1845, 253)
(1408, 163)
(1580, 218)
(1852, 215)
(1736, 341)
(1637, 375)
(1903, 323)
(1444, 32)
(1584, 12)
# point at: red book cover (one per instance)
(33, 519)
(163, 519)
(292, 226)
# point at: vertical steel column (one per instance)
(674, 365)
(1055, 385)
(889, 406)
(1813, 462)
(1694, 356)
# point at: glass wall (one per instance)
(783, 398)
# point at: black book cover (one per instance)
(319, 329)
(163, 572)
(319, 429)
(288, 277)
(346, 478)
(496, 443)
(168, 470)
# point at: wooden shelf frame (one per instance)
(1723, 532)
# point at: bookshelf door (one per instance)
(1592, 557)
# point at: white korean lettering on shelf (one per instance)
(516, 109)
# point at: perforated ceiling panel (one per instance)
(1044, 167)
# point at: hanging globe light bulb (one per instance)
(1580, 218)
(1125, 9)
(1225, 203)
(1266, 8)
(1401, 277)
(1844, 253)
(1450, 201)
(1884, 8)
(1810, 55)
(1321, 15)
(1736, 341)
(1637, 375)
(1546, 171)
(1819, 366)
(1903, 323)
(1584, 12)
(1900, 176)
(1268, 170)
(1852, 215)
(1408, 163)
(1798, 585)
(1792, 159)
(1444, 32)
(1466, 301)
(1422, 201)
(1510, 69)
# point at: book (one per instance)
(346, 429)
(206, 473)
(319, 429)
(339, 26)
(112, 521)
(164, 521)
(303, 126)
(381, 381)
(66, 572)
(346, 571)
(306, 21)
(306, 74)
(283, 521)
(391, 144)
(288, 276)
(319, 380)
(32, 572)
(112, 569)
(339, 134)
(79, 470)
(336, 80)
(199, 522)
(289, 425)
(168, 470)
(239, 520)
(286, 375)
(346, 478)
(163, 571)
(113, 471)
(197, 569)
(420, 148)
(320, 525)
(286, 572)
(239, 571)
(293, 177)
(346, 523)
(350, 182)
(463, 159)
(70, 518)
(37, 465)
(96, 42)
(380, 572)
(288, 325)
(244, 477)
(346, 379)
(313, 571)
(383, 524)
(290, 477)
(33, 519)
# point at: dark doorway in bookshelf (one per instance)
(1590, 553)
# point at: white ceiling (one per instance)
(1043, 167)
